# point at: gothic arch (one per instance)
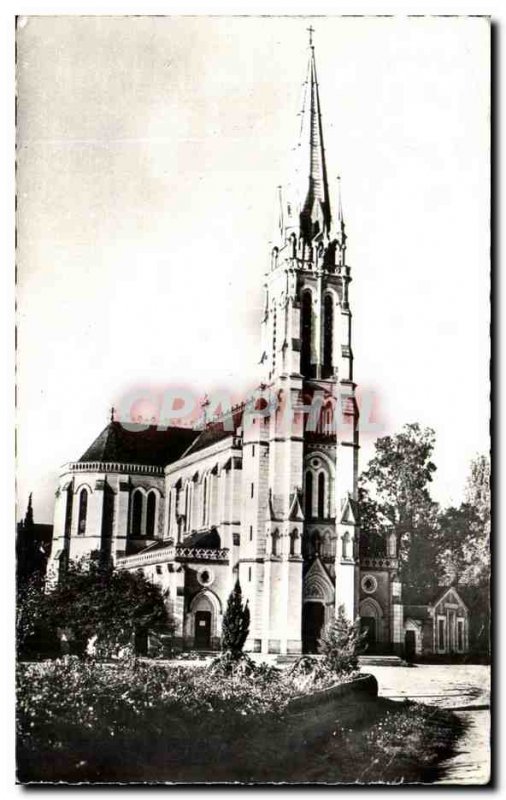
(369, 607)
(307, 325)
(318, 491)
(205, 600)
(317, 585)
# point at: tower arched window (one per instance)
(306, 333)
(328, 334)
(347, 546)
(293, 542)
(151, 515)
(308, 497)
(137, 503)
(321, 495)
(274, 337)
(83, 512)
(275, 543)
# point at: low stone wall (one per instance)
(305, 720)
(313, 715)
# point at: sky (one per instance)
(149, 154)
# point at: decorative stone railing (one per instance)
(146, 559)
(172, 553)
(99, 466)
(201, 553)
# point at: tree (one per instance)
(340, 644)
(394, 497)
(236, 621)
(31, 558)
(94, 601)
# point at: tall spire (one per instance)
(315, 217)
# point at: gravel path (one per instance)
(464, 688)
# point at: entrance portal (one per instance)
(410, 645)
(202, 630)
(313, 619)
(368, 626)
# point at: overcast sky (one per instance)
(149, 152)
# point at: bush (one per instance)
(235, 623)
(340, 645)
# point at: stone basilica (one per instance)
(264, 497)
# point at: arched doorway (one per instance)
(203, 623)
(371, 624)
(368, 628)
(313, 622)
(410, 645)
(202, 639)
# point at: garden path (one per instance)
(463, 688)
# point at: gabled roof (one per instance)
(216, 431)
(139, 445)
(413, 597)
(295, 513)
(209, 539)
(349, 511)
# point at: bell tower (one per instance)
(308, 360)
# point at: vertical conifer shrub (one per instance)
(236, 621)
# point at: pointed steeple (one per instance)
(315, 216)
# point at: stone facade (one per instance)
(266, 493)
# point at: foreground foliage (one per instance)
(92, 603)
(83, 720)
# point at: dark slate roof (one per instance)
(416, 612)
(413, 596)
(210, 539)
(216, 431)
(139, 445)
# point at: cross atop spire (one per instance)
(311, 31)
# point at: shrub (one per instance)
(235, 625)
(340, 645)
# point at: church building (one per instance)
(267, 491)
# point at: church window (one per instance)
(275, 541)
(460, 635)
(206, 497)
(188, 497)
(321, 495)
(169, 511)
(137, 504)
(308, 498)
(347, 554)
(150, 515)
(83, 512)
(328, 332)
(68, 512)
(293, 542)
(252, 489)
(251, 533)
(441, 634)
(274, 332)
(249, 574)
(253, 451)
(306, 325)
